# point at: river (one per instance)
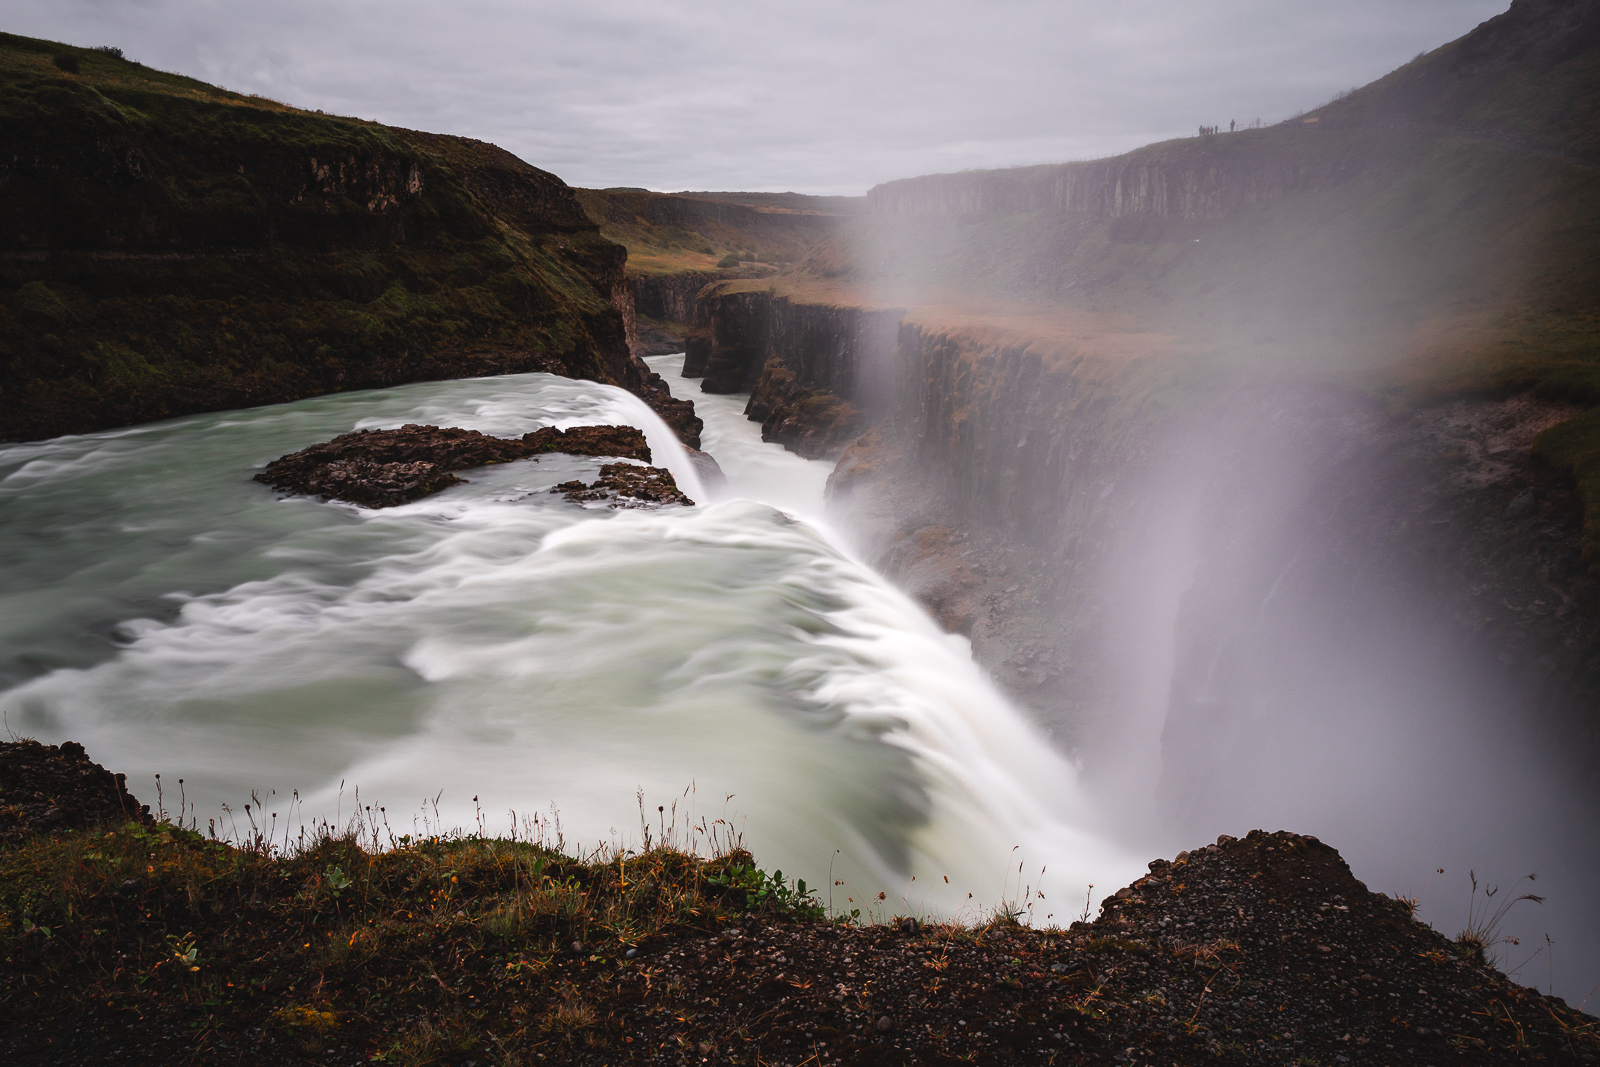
(494, 653)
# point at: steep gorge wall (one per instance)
(997, 489)
(670, 297)
(816, 373)
(1197, 179)
(1268, 597)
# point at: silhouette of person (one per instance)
(1230, 126)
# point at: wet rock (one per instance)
(709, 470)
(622, 441)
(627, 485)
(384, 468)
(810, 422)
(658, 342)
(47, 788)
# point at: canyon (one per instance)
(1263, 464)
(1261, 469)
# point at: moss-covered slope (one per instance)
(736, 233)
(169, 247)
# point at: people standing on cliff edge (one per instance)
(1230, 126)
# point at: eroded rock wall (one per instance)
(1198, 179)
(1034, 501)
(817, 374)
(670, 298)
(995, 490)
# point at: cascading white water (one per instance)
(495, 641)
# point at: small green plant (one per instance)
(66, 61)
(110, 50)
(337, 880)
(729, 260)
(763, 891)
(184, 951)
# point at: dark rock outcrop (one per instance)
(674, 411)
(47, 788)
(670, 297)
(739, 323)
(810, 422)
(816, 373)
(169, 247)
(384, 468)
(625, 485)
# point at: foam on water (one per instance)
(495, 641)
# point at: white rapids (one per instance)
(498, 648)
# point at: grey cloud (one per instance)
(828, 96)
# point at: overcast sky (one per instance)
(818, 96)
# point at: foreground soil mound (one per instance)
(383, 468)
(130, 943)
(47, 788)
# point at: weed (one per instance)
(1485, 917)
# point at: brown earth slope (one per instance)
(126, 943)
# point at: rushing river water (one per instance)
(497, 642)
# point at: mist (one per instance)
(1225, 408)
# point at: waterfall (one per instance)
(495, 649)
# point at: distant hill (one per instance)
(1435, 233)
(1442, 224)
(676, 232)
(1529, 77)
(167, 246)
(798, 203)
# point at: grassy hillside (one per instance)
(167, 247)
(789, 203)
(668, 233)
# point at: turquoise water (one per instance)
(495, 649)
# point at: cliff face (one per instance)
(168, 247)
(1180, 180)
(1028, 492)
(991, 492)
(816, 373)
(670, 297)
